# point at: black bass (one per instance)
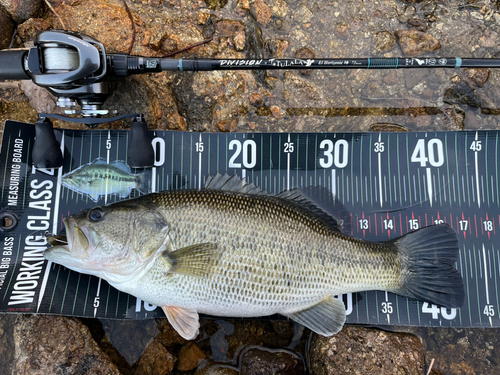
(230, 249)
(99, 178)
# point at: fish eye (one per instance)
(95, 215)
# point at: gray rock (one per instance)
(7, 28)
(21, 10)
(461, 93)
(266, 362)
(358, 350)
(57, 345)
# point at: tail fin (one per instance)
(142, 182)
(428, 266)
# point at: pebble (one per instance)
(261, 12)
(415, 43)
(266, 362)
(461, 93)
(479, 76)
(384, 41)
(305, 53)
(190, 357)
(156, 360)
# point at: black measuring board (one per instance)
(390, 183)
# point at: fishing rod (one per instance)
(75, 68)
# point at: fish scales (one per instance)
(273, 253)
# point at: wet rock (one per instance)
(6, 343)
(387, 127)
(461, 93)
(256, 100)
(228, 126)
(478, 76)
(299, 92)
(168, 336)
(255, 45)
(415, 43)
(454, 119)
(358, 350)
(243, 4)
(190, 357)
(276, 47)
(489, 39)
(202, 18)
(7, 28)
(417, 24)
(57, 345)
(341, 30)
(40, 98)
(209, 27)
(303, 14)
(235, 30)
(156, 360)
(28, 30)
(279, 8)
(266, 362)
(261, 12)
(413, 77)
(216, 4)
(210, 367)
(384, 42)
(304, 54)
(21, 10)
(406, 14)
(130, 338)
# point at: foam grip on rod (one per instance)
(140, 150)
(46, 149)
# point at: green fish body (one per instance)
(99, 178)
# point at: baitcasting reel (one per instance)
(74, 67)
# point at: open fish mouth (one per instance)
(64, 243)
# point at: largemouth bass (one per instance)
(99, 178)
(230, 249)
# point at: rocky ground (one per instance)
(284, 101)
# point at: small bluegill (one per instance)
(230, 249)
(99, 178)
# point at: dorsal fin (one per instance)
(318, 200)
(120, 164)
(99, 161)
(232, 183)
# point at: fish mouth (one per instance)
(74, 243)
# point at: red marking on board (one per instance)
(475, 221)
(407, 229)
(400, 224)
(451, 221)
(376, 231)
(352, 228)
(425, 220)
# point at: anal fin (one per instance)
(326, 318)
(185, 321)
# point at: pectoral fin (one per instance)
(185, 321)
(326, 318)
(192, 260)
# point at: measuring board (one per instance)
(390, 183)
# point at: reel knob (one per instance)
(140, 150)
(46, 149)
